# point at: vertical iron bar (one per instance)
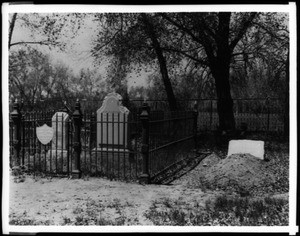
(101, 146)
(90, 141)
(195, 125)
(62, 142)
(119, 145)
(35, 138)
(144, 117)
(85, 141)
(113, 144)
(268, 117)
(23, 143)
(56, 137)
(69, 130)
(107, 141)
(135, 147)
(126, 136)
(124, 144)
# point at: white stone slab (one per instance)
(253, 147)
(44, 134)
(60, 130)
(112, 126)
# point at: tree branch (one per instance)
(203, 62)
(207, 46)
(98, 48)
(247, 23)
(32, 42)
(193, 36)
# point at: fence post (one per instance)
(211, 114)
(144, 117)
(16, 117)
(268, 115)
(195, 113)
(77, 119)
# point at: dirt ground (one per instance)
(56, 200)
(60, 201)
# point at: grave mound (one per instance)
(241, 173)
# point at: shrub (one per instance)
(224, 210)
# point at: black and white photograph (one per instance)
(149, 118)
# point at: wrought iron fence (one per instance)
(171, 140)
(135, 146)
(258, 114)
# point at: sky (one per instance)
(77, 55)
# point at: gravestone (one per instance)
(58, 154)
(253, 147)
(60, 130)
(112, 126)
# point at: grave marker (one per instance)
(57, 156)
(255, 148)
(112, 126)
(60, 130)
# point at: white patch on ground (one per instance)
(57, 199)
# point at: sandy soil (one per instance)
(60, 200)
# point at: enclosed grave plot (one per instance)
(110, 139)
(171, 143)
(52, 153)
(165, 163)
(118, 164)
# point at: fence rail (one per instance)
(260, 114)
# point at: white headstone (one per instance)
(60, 131)
(112, 126)
(253, 147)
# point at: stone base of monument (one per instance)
(111, 161)
(111, 153)
(57, 161)
(49, 161)
(253, 147)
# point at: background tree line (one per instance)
(191, 55)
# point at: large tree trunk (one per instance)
(220, 65)
(220, 72)
(162, 63)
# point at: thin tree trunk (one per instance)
(162, 63)
(11, 29)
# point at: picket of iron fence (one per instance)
(134, 146)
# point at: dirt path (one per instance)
(61, 199)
